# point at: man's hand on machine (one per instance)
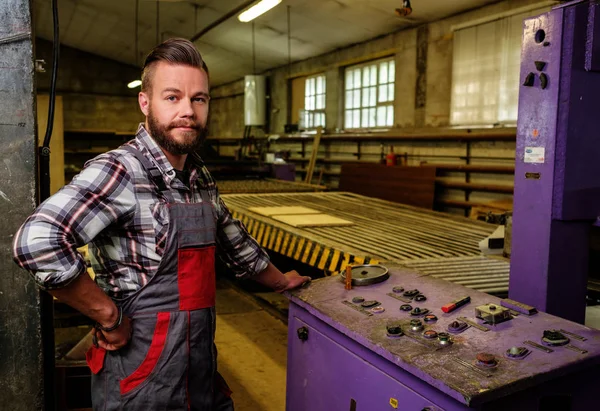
(292, 280)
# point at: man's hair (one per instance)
(172, 51)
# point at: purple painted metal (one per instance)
(346, 355)
(557, 188)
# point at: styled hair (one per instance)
(173, 51)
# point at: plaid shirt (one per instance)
(112, 206)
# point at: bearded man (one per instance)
(153, 219)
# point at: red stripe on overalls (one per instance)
(196, 278)
(156, 348)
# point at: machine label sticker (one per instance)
(535, 155)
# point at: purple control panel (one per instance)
(390, 346)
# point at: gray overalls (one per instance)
(170, 362)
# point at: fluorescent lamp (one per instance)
(259, 8)
(135, 83)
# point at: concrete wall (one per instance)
(94, 89)
(21, 364)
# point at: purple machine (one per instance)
(389, 345)
(557, 173)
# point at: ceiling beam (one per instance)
(222, 19)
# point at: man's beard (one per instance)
(192, 141)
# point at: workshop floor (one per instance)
(252, 348)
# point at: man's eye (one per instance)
(171, 98)
(199, 100)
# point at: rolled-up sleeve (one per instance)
(46, 243)
(237, 248)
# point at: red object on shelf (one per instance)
(390, 158)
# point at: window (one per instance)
(314, 102)
(370, 95)
(486, 70)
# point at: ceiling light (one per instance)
(259, 8)
(135, 83)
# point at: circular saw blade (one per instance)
(367, 274)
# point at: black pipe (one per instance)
(46, 300)
(220, 20)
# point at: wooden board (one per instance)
(294, 210)
(313, 220)
(407, 185)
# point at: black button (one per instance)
(540, 65)
(358, 300)
(529, 80)
(420, 297)
(406, 307)
(544, 80)
(369, 304)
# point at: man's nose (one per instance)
(186, 108)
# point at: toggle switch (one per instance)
(417, 312)
(411, 293)
(394, 330)
(358, 300)
(398, 290)
(554, 338)
(430, 318)
(430, 334)
(457, 327)
(405, 307)
(416, 325)
(369, 304)
(420, 298)
(544, 80)
(529, 80)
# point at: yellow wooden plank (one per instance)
(299, 248)
(315, 255)
(306, 254)
(250, 227)
(286, 242)
(261, 231)
(267, 236)
(334, 260)
(359, 260)
(324, 257)
(346, 261)
(292, 247)
(272, 238)
(279, 241)
(312, 220)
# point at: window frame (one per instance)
(369, 100)
(316, 110)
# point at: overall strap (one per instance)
(153, 172)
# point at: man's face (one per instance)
(176, 107)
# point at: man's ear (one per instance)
(144, 101)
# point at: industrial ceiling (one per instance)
(107, 28)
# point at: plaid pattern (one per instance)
(112, 206)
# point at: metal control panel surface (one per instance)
(478, 353)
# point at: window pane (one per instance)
(390, 116)
(356, 118)
(365, 98)
(349, 100)
(348, 120)
(372, 122)
(356, 98)
(383, 94)
(349, 80)
(320, 88)
(374, 75)
(392, 72)
(383, 72)
(372, 96)
(357, 78)
(365, 117)
(381, 116)
(366, 81)
(391, 92)
(321, 102)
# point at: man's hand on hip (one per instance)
(114, 340)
